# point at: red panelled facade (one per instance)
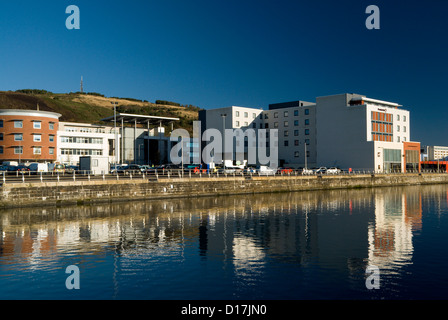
(28, 135)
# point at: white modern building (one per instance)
(345, 130)
(232, 118)
(82, 139)
(436, 153)
(361, 133)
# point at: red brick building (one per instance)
(28, 135)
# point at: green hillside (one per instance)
(92, 107)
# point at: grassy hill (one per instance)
(92, 107)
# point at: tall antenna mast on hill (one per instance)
(82, 88)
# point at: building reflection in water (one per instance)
(340, 229)
(397, 216)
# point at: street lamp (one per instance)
(223, 115)
(115, 132)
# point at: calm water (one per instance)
(310, 245)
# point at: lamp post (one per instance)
(223, 115)
(115, 132)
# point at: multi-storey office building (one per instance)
(346, 130)
(361, 133)
(296, 125)
(28, 135)
(437, 152)
(232, 118)
(82, 139)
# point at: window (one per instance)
(398, 117)
(254, 125)
(37, 150)
(51, 126)
(246, 123)
(391, 155)
(51, 139)
(51, 151)
(275, 114)
(246, 115)
(254, 115)
(37, 124)
(237, 123)
(1, 136)
(307, 122)
(286, 133)
(275, 124)
(296, 154)
(296, 142)
(398, 128)
(307, 142)
(286, 143)
(307, 132)
(398, 139)
(266, 116)
(296, 133)
(18, 137)
(307, 111)
(1, 149)
(404, 129)
(1, 123)
(237, 113)
(266, 125)
(18, 150)
(404, 138)
(296, 113)
(37, 138)
(404, 118)
(296, 123)
(285, 123)
(18, 124)
(285, 114)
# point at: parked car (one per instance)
(333, 170)
(249, 170)
(264, 170)
(3, 168)
(307, 171)
(59, 168)
(71, 169)
(285, 170)
(321, 170)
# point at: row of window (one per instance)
(81, 152)
(36, 124)
(266, 125)
(36, 150)
(285, 143)
(36, 137)
(82, 140)
(285, 114)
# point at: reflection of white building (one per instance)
(81, 139)
(390, 238)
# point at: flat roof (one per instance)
(376, 101)
(30, 113)
(139, 118)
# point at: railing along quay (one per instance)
(41, 177)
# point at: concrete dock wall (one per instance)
(66, 193)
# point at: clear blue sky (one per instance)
(249, 53)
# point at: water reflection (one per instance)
(297, 245)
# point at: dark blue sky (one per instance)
(249, 53)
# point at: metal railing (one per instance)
(157, 174)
